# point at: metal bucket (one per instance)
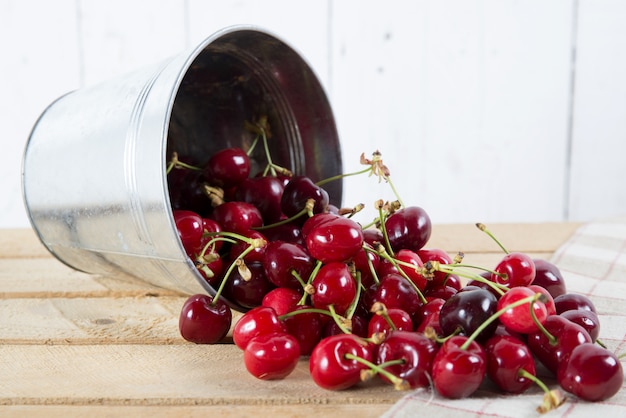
(94, 170)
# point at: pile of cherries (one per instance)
(362, 301)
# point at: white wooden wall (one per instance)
(484, 110)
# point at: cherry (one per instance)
(466, 311)
(408, 228)
(334, 285)
(256, 255)
(306, 327)
(417, 353)
(442, 257)
(248, 292)
(187, 191)
(393, 318)
(428, 316)
(298, 191)
(458, 368)
(365, 262)
(282, 299)
(333, 364)
(515, 269)
(238, 217)
(210, 229)
(555, 348)
(358, 326)
(338, 239)
(257, 321)
(411, 258)
(265, 193)
(394, 291)
(228, 167)
(283, 259)
(591, 372)
(373, 236)
(548, 276)
(547, 298)
(289, 232)
(586, 319)
(520, 319)
(569, 301)
(507, 357)
(189, 227)
(204, 320)
(271, 356)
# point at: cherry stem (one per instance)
(340, 320)
(529, 299)
(396, 263)
(340, 176)
(379, 308)
(381, 217)
(318, 266)
(304, 311)
(355, 303)
(483, 228)
(527, 375)
(450, 269)
(176, 163)
(370, 264)
(398, 383)
(232, 266)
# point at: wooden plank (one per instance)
(148, 375)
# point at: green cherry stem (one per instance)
(483, 228)
(341, 176)
(398, 383)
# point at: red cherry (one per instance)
(265, 193)
(417, 352)
(209, 227)
(507, 356)
(298, 191)
(458, 372)
(334, 285)
(282, 299)
(238, 217)
(334, 240)
(228, 167)
(257, 255)
(331, 366)
(283, 259)
(190, 228)
(364, 262)
(408, 228)
(271, 356)
(306, 327)
(568, 335)
(519, 319)
(592, 373)
(548, 300)
(411, 258)
(400, 319)
(519, 269)
(247, 292)
(428, 316)
(569, 301)
(257, 321)
(203, 320)
(586, 319)
(466, 311)
(548, 276)
(394, 291)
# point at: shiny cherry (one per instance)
(248, 292)
(408, 228)
(457, 371)
(203, 320)
(549, 276)
(334, 285)
(306, 327)
(586, 319)
(400, 319)
(518, 270)
(237, 217)
(519, 318)
(568, 301)
(283, 259)
(298, 191)
(507, 356)
(337, 239)
(265, 193)
(227, 167)
(271, 356)
(257, 321)
(282, 299)
(189, 227)
(394, 291)
(466, 311)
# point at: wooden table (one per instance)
(85, 345)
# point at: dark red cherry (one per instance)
(428, 316)
(298, 191)
(506, 357)
(286, 232)
(238, 217)
(265, 193)
(227, 167)
(592, 373)
(284, 261)
(306, 327)
(358, 327)
(417, 352)
(373, 236)
(210, 228)
(394, 291)
(364, 263)
(408, 228)
(466, 311)
(568, 335)
(548, 276)
(586, 319)
(256, 255)
(248, 292)
(203, 320)
(569, 301)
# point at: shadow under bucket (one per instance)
(94, 169)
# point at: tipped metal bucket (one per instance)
(94, 169)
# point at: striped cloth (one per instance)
(593, 263)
